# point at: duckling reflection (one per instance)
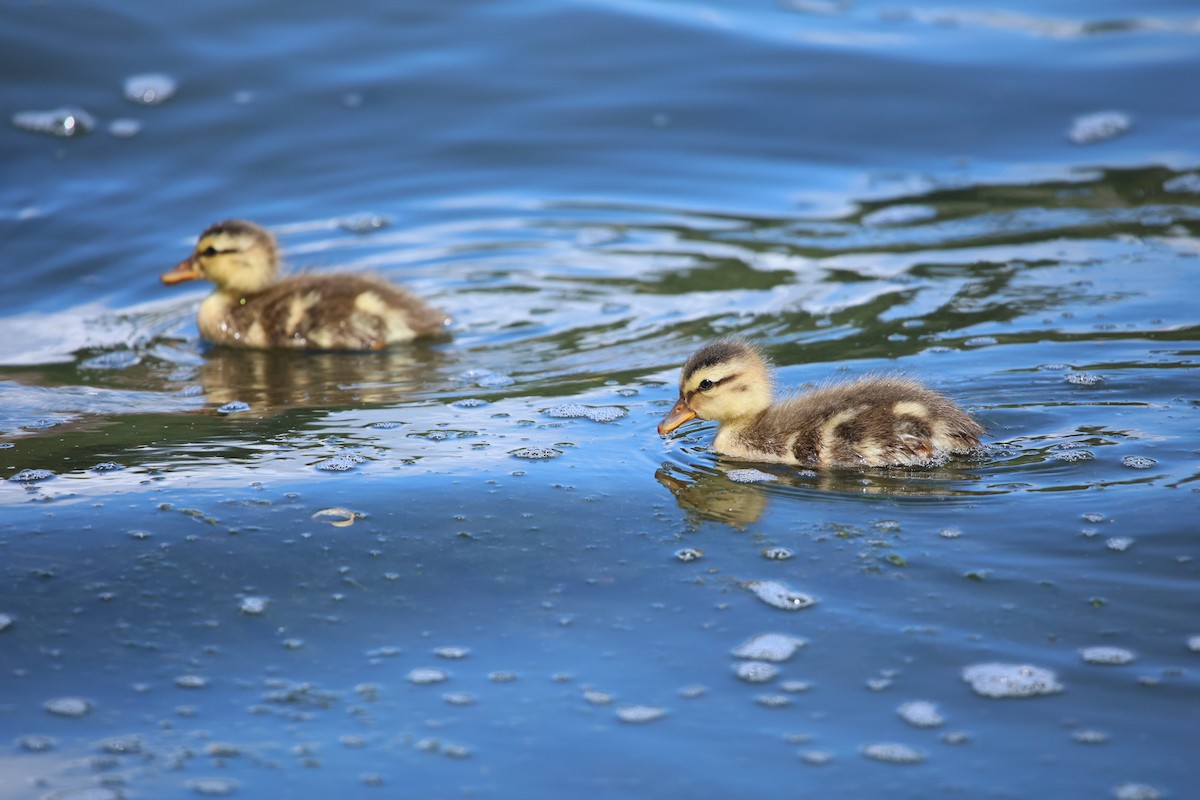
(708, 495)
(253, 307)
(711, 494)
(270, 380)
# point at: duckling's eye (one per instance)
(705, 385)
(209, 251)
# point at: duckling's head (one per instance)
(726, 380)
(238, 256)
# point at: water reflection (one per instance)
(279, 380)
(708, 495)
(734, 494)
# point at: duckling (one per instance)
(872, 422)
(253, 307)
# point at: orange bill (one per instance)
(186, 270)
(677, 416)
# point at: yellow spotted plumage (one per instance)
(867, 422)
(254, 307)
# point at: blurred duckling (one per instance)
(254, 307)
(873, 422)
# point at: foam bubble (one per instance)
(776, 594)
(756, 671)
(1138, 462)
(893, 753)
(426, 675)
(213, 787)
(1099, 126)
(594, 413)
(1011, 680)
(750, 476)
(65, 121)
(32, 475)
(769, 647)
(69, 706)
(150, 89)
(1107, 655)
(191, 682)
(254, 605)
(920, 714)
(640, 714)
(535, 453)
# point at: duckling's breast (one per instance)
(222, 319)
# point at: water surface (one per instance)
(592, 190)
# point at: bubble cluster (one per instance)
(338, 463)
(640, 714)
(423, 676)
(486, 378)
(65, 121)
(750, 476)
(778, 595)
(756, 671)
(364, 223)
(451, 652)
(1107, 655)
(535, 453)
(1098, 126)
(254, 605)
(1138, 462)
(921, 714)
(775, 647)
(69, 706)
(893, 753)
(213, 787)
(594, 413)
(1011, 680)
(32, 476)
(36, 743)
(150, 89)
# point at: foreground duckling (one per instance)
(253, 307)
(874, 422)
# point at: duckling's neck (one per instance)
(732, 436)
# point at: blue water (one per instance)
(592, 190)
